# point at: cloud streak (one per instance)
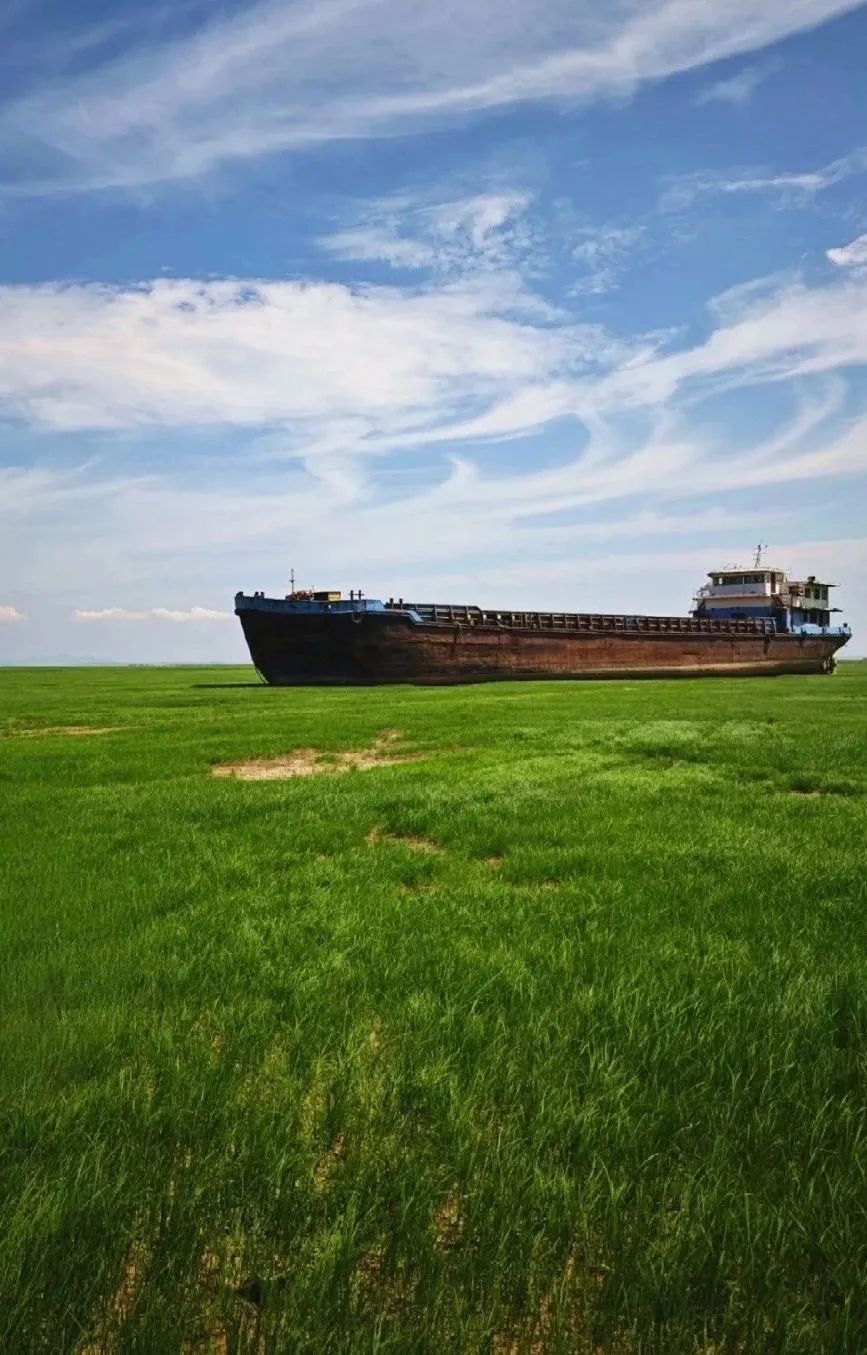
(10, 614)
(787, 185)
(279, 75)
(601, 251)
(738, 89)
(152, 614)
(485, 231)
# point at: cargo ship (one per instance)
(749, 622)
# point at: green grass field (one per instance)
(550, 1037)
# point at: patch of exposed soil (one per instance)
(218, 1319)
(538, 1333)
(368, 1272)
(414, 844)
(329, 1163)
(449, 1223)
(123, 1300)
(315, 762)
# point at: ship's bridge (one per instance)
(766, 591)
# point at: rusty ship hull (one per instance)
(442, 645)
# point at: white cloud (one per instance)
(43, 486)
(152, 614)
(323, 476)
(626, 567)
(478, 220)
(342, 372)
(337, 365)
(601, 250)
(787, 185)
(738, 89)
(278, 75)
(8, 613)
(194, 614)
(853, 255)
(790, 332)
(111, 614)
(379, 244)
(483, 512)
(484, 231)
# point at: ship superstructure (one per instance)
(799, 606)
(746, 622)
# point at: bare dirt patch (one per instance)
(449, 1223)
(315, 762)
(377, 836)
(120, 1307)
(329, 1163)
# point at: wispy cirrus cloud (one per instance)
(474, 514)
(738, 89)
(333, 364)
(487, 230)
(787, 185)
(600, 251)
(342, 372)
(788, 332)
(338, 384)
(152, 614)
(277, 75)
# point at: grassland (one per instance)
(549, 1037)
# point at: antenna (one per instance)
(292, 580)
(759, 548)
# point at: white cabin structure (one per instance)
(766, 590)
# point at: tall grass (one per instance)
(585, 1074)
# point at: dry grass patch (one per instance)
(377, 836)
(315, 762)
(76, 731)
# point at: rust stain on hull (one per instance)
(380, 648)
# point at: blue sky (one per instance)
(553, 305)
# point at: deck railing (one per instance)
(448, 613)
